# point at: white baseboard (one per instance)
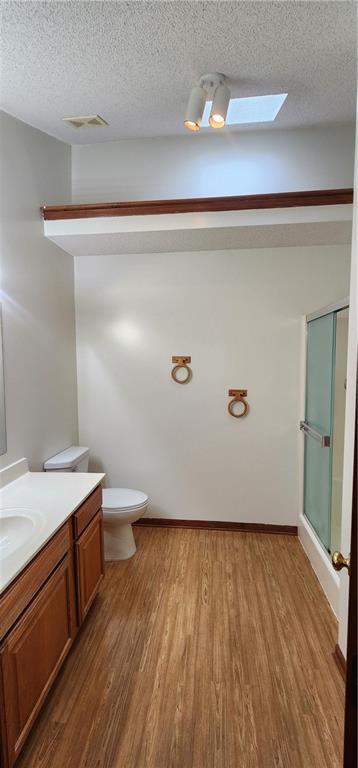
(321, 564)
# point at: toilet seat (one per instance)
(123, 500)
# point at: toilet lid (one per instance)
(122, 498)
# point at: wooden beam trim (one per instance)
(340, 660)
(217, 525)
(199, 204)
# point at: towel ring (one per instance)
(181, 362)
(238, 396)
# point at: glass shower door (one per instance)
(317, 426)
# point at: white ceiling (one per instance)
(135, 62)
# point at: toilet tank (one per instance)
(73, 459)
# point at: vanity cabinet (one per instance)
(89, 564)
(33, 653)
(40, 613)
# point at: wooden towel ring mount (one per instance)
(238, 396)
(181, 362)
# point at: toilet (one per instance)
(121, 506)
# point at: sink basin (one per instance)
(16, 527)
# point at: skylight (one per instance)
(251, 109)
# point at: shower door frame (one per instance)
(336, 307)
(317, 554)
(329, 309)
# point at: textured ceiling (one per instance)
(274, 236)
(135, 62)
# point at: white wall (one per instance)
(199, 165)
(239, 314)
(37, 294)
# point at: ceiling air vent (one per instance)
(85, 120)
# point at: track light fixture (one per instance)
(212, 86)
(219, 106)
(195, 108)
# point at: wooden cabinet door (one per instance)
(32, 654)
(87, 511)
(89, 564)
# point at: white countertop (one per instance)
(50, 498)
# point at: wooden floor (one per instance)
(206, 650)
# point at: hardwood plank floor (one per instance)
(206, 650)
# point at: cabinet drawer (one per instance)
(89, 564)
(19, 594)
(32, 655)
(87, 511)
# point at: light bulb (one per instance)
(191, 125)
(216, 121)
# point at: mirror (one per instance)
(2, 394)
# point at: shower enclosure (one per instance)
(323, 426)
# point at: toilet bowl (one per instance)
(121, 506)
